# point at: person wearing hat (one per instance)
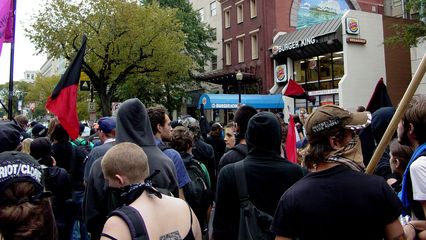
(337, 200)
(106, 134)
(25, 210)
(39, 131)
(10, 136)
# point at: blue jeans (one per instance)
(80, 229)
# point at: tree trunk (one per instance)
(105, 103)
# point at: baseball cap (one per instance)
(329, 117)
(10, 136)
(39, 131)
(107, 124)
(19, 167)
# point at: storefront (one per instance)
(338, 61)
(214, 103)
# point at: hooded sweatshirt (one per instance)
(268, 176)
(133, 125)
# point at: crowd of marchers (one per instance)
(140, 175)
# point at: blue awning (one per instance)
(230, 101)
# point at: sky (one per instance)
(25, 58)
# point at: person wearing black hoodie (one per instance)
(268, 176)
(58, 181)
(133, 126)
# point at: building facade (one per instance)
(53, 67)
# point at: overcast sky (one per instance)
(25, 58)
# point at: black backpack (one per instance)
(198, 192)
(83, 145)
(133, 220)
(254, 223)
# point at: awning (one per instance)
(310, 41)
(230, 101)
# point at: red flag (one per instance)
(294, 90)
(6, 22)
(290, 141)
(63, 101)
(380, 97)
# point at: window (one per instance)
(240, 16)
(213, 8)
(201, 14)
(241, 50)
(254, 47)
(253, 9)
(214, 62)
(227, 17)
(228, 53)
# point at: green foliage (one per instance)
(20, 91)
(129, 44)
(40, 92)
(198, 34)
(411, 34)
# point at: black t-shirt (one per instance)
(337, 203)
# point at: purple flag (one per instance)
(6, 22)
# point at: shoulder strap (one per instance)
(134, 221)
(240, 177)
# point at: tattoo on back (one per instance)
(171, 236)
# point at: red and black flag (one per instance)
(290, 142)
(294, 90)
(380, 97)
(63, 101)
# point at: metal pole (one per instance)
(239, 92)
(12, 59)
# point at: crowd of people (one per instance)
(140, 175)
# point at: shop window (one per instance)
(227, 17)
(254, 47)
(241, 50)
(228, 53)
(240, 13)
(253, 9)
(213, 9)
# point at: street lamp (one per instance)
(239, 77)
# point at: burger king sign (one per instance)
(352, 26)
(281, 73)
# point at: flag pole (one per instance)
(12, 59)
(402, 107)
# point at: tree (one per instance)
(41, 90)
(198, 34)
(127, 42)
(411, 34)
(20, 91)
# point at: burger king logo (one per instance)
(352, 26)
(281, 73)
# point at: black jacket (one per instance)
(268, 176)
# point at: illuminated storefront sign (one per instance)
(352, 26)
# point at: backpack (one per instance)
(134, 222)
(254, 224)
(83, 145)
(198, 192)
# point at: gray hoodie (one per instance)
(133, 125)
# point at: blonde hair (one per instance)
(126, 159)
(26, 145)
